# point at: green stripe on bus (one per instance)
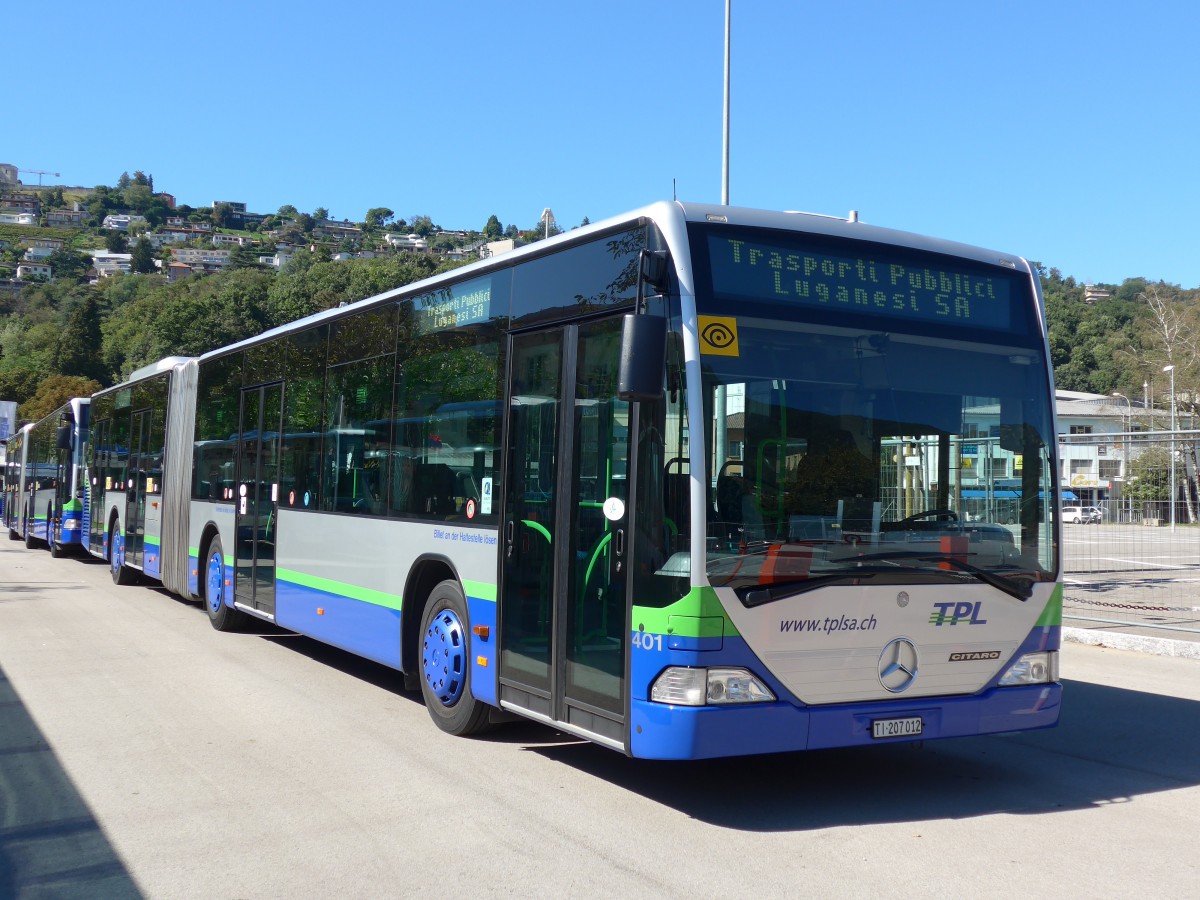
(1052, 614)
(340, 588)
(151, 540)
(689, 617)
(480, 590)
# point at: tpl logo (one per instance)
(956, 614)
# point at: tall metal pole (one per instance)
(720, 400)
(1125, 444)
(725, 141)
(1171, 369)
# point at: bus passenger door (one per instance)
(565, 531)
(135, 507)
(257, 498)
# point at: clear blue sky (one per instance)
(1063, 131)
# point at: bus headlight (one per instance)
(1033, 668)
(682, 686)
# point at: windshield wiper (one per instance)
(760, 594)
(1021, 588)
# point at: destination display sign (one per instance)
(916, 289)
(460, 304)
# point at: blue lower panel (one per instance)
(152, 560)
(71, 530)
(677, 732)
(365, 629)
(484, 665)
(193, 579)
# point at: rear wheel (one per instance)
(121, 573)
(445, 663)
(30, 540)
(220, 616)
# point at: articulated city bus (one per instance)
(45, 495)
(686, 483)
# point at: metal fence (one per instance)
(1140, 564)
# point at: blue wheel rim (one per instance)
(444, 657)
(214, 582)
(118, 552)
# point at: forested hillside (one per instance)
(59, 340)
(1121, 343)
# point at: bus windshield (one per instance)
(852, 448)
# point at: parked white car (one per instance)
(1082, 515)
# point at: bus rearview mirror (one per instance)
(643, 352)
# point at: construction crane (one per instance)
(39, 173)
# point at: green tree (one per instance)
(124, 181)
(378, 216)
(138, 197)
(244, 257)
(287, 211)
(1149, 475)
(422, 225)
(79, 343)
(220, 214)
(18, 384)
(206, 313)
(320, 213)
(52, 393)
(493, 230)
(115, 241)
(68, 265)
(142, 261)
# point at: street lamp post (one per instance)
(1171, 369)
(1125, 450)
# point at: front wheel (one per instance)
(445, 663)
(56, 549)
(220, 616)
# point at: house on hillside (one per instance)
(29, 270)
(413, 243)
(121, 221)
(42, 243)
(65, 218)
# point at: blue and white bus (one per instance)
(686, 483)
(44, 485)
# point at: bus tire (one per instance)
(220, 616)
(55, 548)
(30, 540)
(446, 663)
(121, 573)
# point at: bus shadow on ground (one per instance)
(50, 843)
(513, 730)
(1112, 746)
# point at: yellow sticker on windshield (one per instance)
(718, 335)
